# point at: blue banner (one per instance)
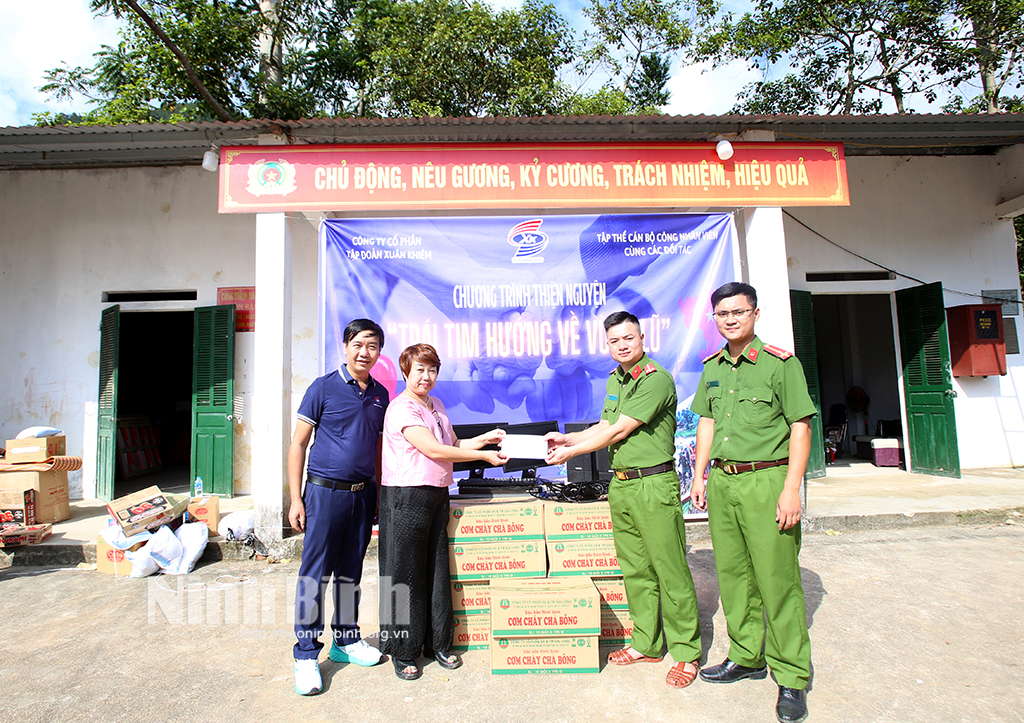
(515, 305)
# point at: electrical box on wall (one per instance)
(977, 347)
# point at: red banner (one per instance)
(435, 176)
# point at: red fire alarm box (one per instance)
(977, 347)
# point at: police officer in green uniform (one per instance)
(638, 426)
(755, 429)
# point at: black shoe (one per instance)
(406, 669)
(792, 705)
(446, 659)
(730, 672)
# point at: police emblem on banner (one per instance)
(271, 178)
(529, 241)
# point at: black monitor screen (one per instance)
(537, 428)
(466, 431)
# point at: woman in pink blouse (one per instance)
(419, 448)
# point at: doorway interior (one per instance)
(856, 348)
(155, 382)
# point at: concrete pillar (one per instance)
(272, 374)
(768, 271)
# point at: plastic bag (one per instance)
(193, 537)
(239, 524)
(165, 548)
(31, 432)
(142, 564)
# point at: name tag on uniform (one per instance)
(711, 384)
(612, 397)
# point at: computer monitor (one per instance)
(475, 467)
(528, 466)
(592, 467)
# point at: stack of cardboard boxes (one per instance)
(537, 584)
(31, 500)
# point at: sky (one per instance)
(43, 34)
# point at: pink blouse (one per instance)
(404, 465)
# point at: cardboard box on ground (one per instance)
(51, 501)
(24, 535)
(146, 510)
(34, 449)
(205, 509)
(17, 508)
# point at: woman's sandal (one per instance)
(447, 660)
(681, 675)
(402, 669)
(628, 656)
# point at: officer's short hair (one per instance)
(358, 326)
(619, 317)
(734, 288)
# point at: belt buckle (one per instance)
(731, 469)
(620, 474)
(357, 486)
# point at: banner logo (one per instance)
(271, 178)
(529, 242)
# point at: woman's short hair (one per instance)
(422, 353)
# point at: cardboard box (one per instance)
(545, 607)
(612, 591)
(146, 510)
(472, 632)
(52, 503)
(562, 654)
(489, 521)
(592, 556)
(490, 560)
(572, 521)
(205, 509)
(110, 560)
(24, 535)
(34, 449)
(17, 508)
(616, 626)
(471, 598)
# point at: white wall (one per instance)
(933, 219)
(69, 236)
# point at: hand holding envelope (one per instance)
(524, 446)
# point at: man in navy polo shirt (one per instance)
(338, 506)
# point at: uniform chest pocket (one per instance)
(756, 405)
(714, 399)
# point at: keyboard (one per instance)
(500, 482)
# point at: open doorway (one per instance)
(154, 401)
(856, 350)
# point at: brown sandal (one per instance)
(623, 657)
(678, 675)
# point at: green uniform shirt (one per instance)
(753, 400)
(646, 393)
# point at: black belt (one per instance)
(644, 471)
(737, 467)
(334, 484)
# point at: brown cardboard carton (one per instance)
(489, 521)
(145, 510)
(573, 521)
(560, 654)
(17, 508)
(24, 535)
(592, 556)
(52, 503)
(205, 509)
(471, 597)
(545, 607)
(34, 449)
(612, 591)
(110, 560)
(472, 632)
(616, 626)
(490, 560)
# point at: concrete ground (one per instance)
(907, 624)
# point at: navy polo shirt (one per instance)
(348, 422)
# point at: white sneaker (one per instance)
(307, 677)
(360, 653)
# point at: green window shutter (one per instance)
(213, 386)
(106, 445)
(806, 351)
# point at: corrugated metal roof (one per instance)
(184, 143)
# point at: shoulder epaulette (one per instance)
(705, 360)
(776, 351)
(650, 368)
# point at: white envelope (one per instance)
(524, 446)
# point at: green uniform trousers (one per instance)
(759, 574)
(650, 542)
